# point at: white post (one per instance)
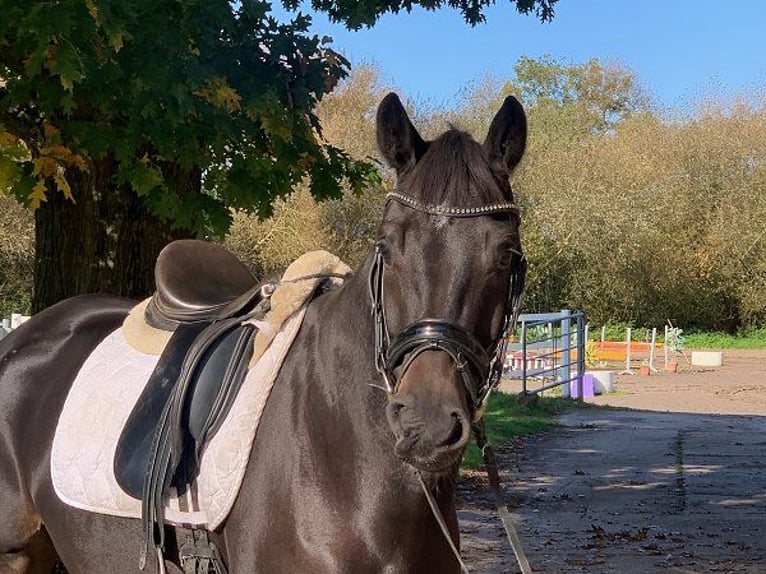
(603, 333)
(665, 346)
(627, 350)
(651, 349)
(565, 374)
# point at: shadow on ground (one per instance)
(625, 491)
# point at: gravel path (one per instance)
(677, 484)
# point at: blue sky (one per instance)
(682, 51)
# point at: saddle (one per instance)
(204, 296)
(198, 281)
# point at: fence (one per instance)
(630, 353)
(10, 323)
(548, 352)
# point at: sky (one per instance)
(682, 51)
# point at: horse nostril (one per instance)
(397, 413)
(456, 434)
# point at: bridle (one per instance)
(480, 368)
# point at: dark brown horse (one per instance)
(332, 484)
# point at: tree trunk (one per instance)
(106, 241)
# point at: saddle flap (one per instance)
(217, 381)
(134, 446)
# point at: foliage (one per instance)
(16, 257)
(633, 218)
(355, 14)
(674, 340)
(344, 226)
(591, 354)
(746, 339)
(215, 88)
(508, 417)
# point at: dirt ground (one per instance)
(673, 480)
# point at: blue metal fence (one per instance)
(548, 351)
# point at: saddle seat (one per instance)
(198, 281)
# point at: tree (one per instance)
(595, 96)
(126, 125)
(343, 226)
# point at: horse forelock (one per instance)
(454, 171)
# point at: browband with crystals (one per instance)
(451, 211)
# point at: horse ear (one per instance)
(507, 136)
(398, 140)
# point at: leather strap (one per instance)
(488, 454)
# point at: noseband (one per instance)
(480, 368)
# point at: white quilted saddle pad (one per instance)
(98, 405)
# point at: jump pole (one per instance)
(651, 350)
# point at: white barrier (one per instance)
(10, 323)
(707, 358)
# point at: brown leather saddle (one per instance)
(204, 294)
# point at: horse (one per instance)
(371, 410)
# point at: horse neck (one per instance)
(342, 339)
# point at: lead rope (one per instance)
(488, 454)
(502, 509)
(443, 525)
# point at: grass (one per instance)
(751, 339)
(507, 417)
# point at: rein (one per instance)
(480, 370)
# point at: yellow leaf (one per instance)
(37, 195)
(50, 130)
(93, 10)
(219, 93)
(80, 162)
(59, 151)
(63, 185)
(115, 40)
(44, 166)
(6, 138)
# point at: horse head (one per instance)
(445, 277)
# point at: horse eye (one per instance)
(503, 257)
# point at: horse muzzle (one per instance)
(429, 414)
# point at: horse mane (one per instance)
(455, 171)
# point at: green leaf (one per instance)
(144, 178)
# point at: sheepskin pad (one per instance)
(109, 384)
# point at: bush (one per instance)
(16, 257)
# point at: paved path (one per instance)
(617, 491)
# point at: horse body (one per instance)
(37, 367)
(332, 482)
(326, 508)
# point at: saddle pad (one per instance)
(98, 405)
